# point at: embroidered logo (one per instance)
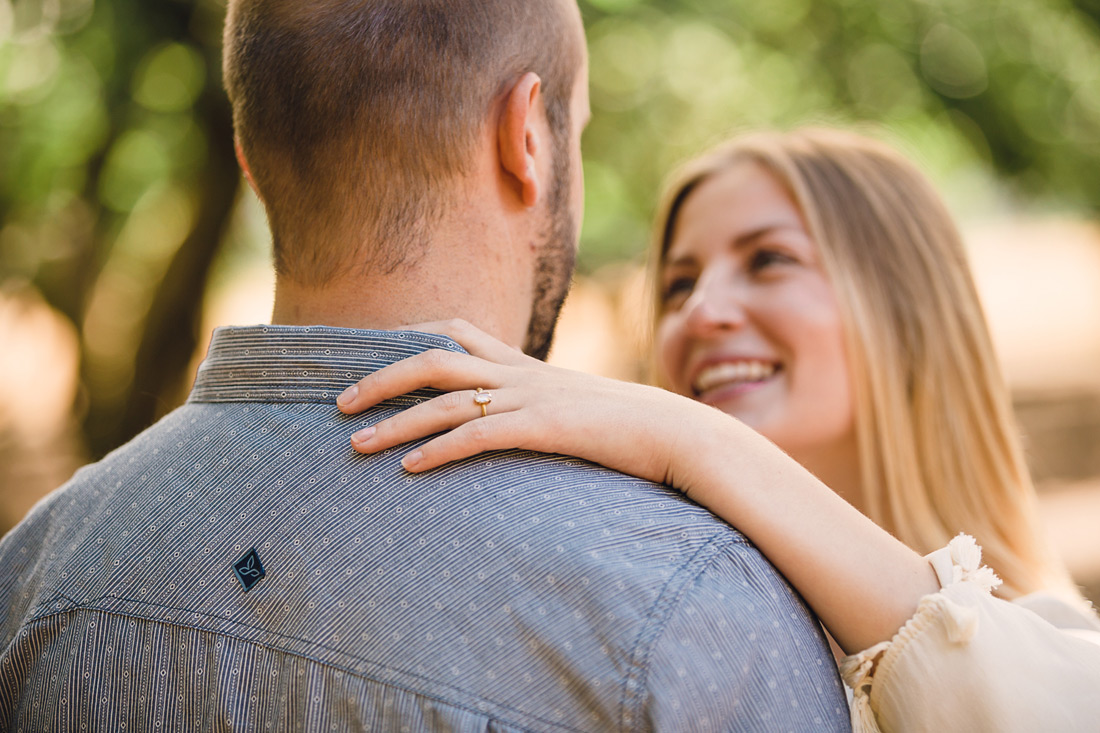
(249, 570)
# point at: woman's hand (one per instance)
(535, 406)
(862, 582)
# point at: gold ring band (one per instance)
(482, 399)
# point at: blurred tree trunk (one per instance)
(170, 333)
(162, 351)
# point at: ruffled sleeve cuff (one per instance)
(957, 563)
(969, 661)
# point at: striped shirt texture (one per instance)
(513, 591)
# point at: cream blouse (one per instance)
(967, 661)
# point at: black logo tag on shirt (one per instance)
(249, 570)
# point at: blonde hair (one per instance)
(939, 448)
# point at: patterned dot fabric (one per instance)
(237, 567)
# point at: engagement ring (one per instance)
(483, 398)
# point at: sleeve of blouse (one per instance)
(969, 661)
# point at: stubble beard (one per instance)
(557, 255)
(553, 267)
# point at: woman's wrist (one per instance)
(863, 583)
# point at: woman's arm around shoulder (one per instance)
(858, 579)
(931, 648)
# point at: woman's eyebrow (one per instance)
(741, 241)
(752, 236)
(686, 260)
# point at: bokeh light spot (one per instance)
(169, 78)
(952, 63)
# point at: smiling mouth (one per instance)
(733, 374)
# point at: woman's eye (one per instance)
(762, 259)
(677, 289)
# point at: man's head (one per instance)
(358, 117)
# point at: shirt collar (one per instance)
(300, 363)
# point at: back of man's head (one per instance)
(357, 117)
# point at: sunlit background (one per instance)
(126, 235)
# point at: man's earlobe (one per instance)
(243, 162)
(519, 137)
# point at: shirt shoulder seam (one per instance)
(678, 586)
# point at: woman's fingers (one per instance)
(474, 340)
(444, 412)
(495, 432)
(436, 368)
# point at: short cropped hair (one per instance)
(356, 116)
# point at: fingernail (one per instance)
(362, 436)
(348, 395)
(410, 460)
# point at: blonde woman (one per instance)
(812, 286)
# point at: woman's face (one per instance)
(750, 324)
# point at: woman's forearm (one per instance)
(861, 582)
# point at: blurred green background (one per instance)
(122, 212)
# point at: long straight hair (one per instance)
(939, 448)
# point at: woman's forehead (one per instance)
(731, 207)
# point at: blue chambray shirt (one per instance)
(513, 591)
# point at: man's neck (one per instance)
(419, 294)
(479, 265)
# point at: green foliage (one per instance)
(117, 178)
(1010, 87)
(116, 181)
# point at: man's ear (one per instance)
(519, 136)
(244, 166)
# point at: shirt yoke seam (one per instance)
(87, 606)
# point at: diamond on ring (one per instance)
(483, 398)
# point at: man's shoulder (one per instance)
(60, 522)
(584, 518)
(676, 587)
(90, 483)
(581, 494)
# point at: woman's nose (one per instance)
(714, 305)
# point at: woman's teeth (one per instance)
(737, 372)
